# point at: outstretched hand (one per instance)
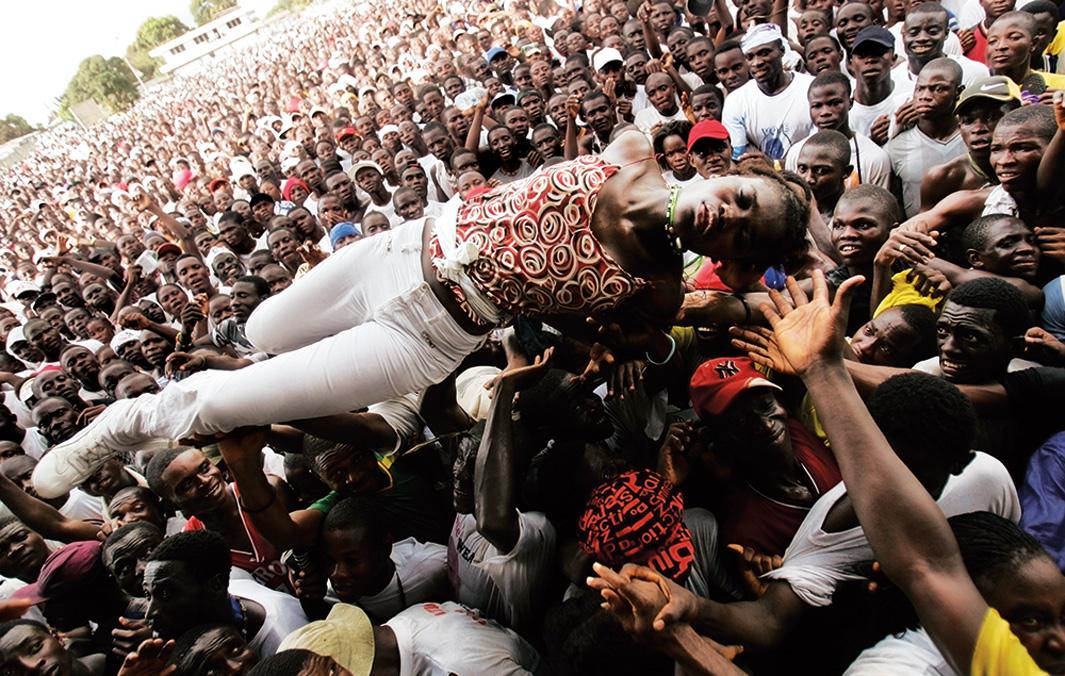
(150, 659)
(808, 331)
(524, 376)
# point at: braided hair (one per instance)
(992, 546)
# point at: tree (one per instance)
(152, 33)
(205, 10)
(109, 82)
(14, 126)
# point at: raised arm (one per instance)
(906, 529)
(243, 454)
(495, 473)
(42, 517)
(1051, 172)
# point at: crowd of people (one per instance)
(503, 338)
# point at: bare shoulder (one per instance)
(629, 146)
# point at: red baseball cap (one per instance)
(718, 382)
(216, 184)
(707, 129)
(346, 132)
(167, 248)
(67, 570)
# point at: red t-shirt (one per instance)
(766, 524)
(979, 50)
(263, 562)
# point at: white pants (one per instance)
(362, 327)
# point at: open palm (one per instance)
(807, 330)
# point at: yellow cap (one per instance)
(346, 635)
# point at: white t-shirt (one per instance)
(648, 118)
(421, 575)
(769, 123)
(905, 81)
(911, 654)
(862, 116)
(506, 586)
(931, 366)
(912, 154)
(817, 561)
(82, 507)
(284, 614)
(440, 639)
(34, 443)
(870, 161)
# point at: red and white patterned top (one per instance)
(538, 254)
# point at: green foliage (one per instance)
(289, 6)
(205, 10)
(109, 82)
(13, 126)
(152, 33)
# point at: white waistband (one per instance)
(456, 257)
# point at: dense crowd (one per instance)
(505, 338)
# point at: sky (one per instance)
(45, 40)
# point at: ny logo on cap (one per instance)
(726, 369)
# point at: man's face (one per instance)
(977, 122)
(1009, 45)
(357, 565)
(923, 36)
(822, 54)
(156, 349)
(29, 649)
(1015, 154)
(756, 422)
(935, 93)
(99, 296)
(542, 75)
(973, 348)
(439, 144)
(58, 384)
(858, 232)
(732, 69)
(375, 223)
(600, 115)
(130, 247)
(547, 142)
(701, 57)
(885, 340)
(661, 17)
(1031, 597)
(68, 295)
(108, 479)
(244, 299)
(56, 420)
(518, 121)
(277, 277)
(44, 337)
(19, 471)
(222, 198)
(309, 172)
(635, 67)
(457, 125)
(712, 157)
(132, 508)
(766, 63)
(222, 650)
(22, 552)
(369, 179)
(350, 471)
(829, 106)
(128, 558)
(193, 275)
(706, 107)
(502, 144)
(1011, 251)
(341, 186)
(661, 92)
(434, 103)
(176, 598)
(850, 20)
(133, 385)
(234, 234)
(173, 299)
(263, 211)
(82, 364)
(194, 483)
(331, 210)
(872, 63)
(823, 170)
(633, 34)
(408, 205)
(811, 24)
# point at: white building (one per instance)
(229, 27)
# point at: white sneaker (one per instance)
(70, 463)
